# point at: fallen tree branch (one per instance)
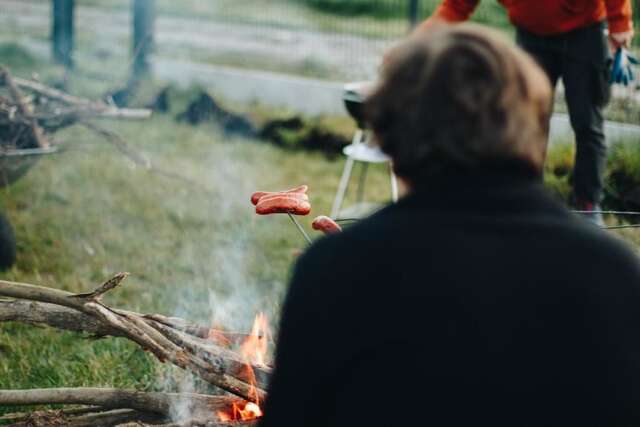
(122, 146)
(83, 417)
(36, 313)
(90, 108)
(52, 93)
(212, 363)
(161, 407)
(137, 158)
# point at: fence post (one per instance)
(414, 7)
(62, 32)
(143, 37)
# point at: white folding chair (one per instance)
(361, 150)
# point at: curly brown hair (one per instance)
(460, 97)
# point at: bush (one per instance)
(622, 180)
(382, 9)
(622, 176)
(374, 8)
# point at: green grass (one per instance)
(86, 213)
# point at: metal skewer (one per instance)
(300, 229)
(608, 212)
(347, 219)
(615, 227)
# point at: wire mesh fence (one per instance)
(316, 38)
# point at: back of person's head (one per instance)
(460, 97)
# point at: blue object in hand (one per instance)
(622, 69)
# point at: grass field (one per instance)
(87, 213)
(195, 251)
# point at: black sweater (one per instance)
(478, 301)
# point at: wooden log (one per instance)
(207, 361)
(89, 108)
(199, 408)
(36, 313)
(83, 417)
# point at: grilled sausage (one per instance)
(293, 203)
(326, 225)
(255, 197)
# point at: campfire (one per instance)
(237, 363)
(234, 362)
(254, 350)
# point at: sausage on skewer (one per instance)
(255, 197)
(326, 225)
(295, 204)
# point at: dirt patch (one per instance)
(294, 132)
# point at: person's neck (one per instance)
(498, 174)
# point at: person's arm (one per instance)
(450, 11)
(620, 23)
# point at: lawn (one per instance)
(196, 251)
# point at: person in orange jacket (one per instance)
(572, 40)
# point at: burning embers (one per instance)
(254, 350)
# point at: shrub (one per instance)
(622, 176)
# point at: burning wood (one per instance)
(243, 372)
(254, 351)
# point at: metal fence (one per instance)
(300, 37)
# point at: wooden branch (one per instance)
(83, 417)
(37, 313)
(122, 145)
(79, 114)
(51, 93)
(200, 408)
(22, 416)
(90, 108)
(107, 286)
(17, 96)
(220, 336)
(159, 403)
(225, 360)
(214, 364)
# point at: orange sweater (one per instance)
(546, 17)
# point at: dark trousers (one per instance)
(581, 58)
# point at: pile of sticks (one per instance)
(31, 111)
(169, 339)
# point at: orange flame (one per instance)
(254, 351)
(255, 346)
(249, 412)
(218, 336)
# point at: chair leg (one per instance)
(394, 184)
(342, 187)
(362, 182)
